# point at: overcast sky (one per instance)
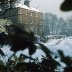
(51, 6)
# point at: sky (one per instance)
(51, 6)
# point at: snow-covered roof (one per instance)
(26, 7)
(21, 6)
(34, 9)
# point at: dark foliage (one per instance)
(68, 69)
(18, 39)
(46, 50)
(66, 5)
(3, 38)
(3, 69)
(49, 64)
(2, 1)
(6, 5)
(25, 57)
(1, 52)
(28, 67)
(67, 61)
(5, 1)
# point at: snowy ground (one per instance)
(64, 45)
(54, 45)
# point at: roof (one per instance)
(26, 7)
(21, 6)
(34, 9)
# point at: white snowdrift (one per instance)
(54, 45)
(64, 45)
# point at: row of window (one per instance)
(37, 14)
(31, 21)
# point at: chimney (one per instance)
(27, 3)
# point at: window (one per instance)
(20, 12)
(40, 23)
(26, 22)
(31, 23)
(26, 18)
(36, 30)
(0, 26)
(36, 15)
(26, 12)
(32, 29)
(20, 19)
(36, 19)
(27, 29)
(31, 14)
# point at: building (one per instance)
(27, 17)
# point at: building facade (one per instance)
(27, 17)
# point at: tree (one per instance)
(61, 25)
(5, 5)
(66, 27)
(45, 26)
(50, 20)
(18, 39)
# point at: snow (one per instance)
(54, 45)
(6, 49)
(21, 6)
(64, 44)
(8, 53)
(34, 9)
(26, 7)
(38, 54)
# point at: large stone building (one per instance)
(27, 17)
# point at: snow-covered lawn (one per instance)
(64, 45)
(53, 45)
